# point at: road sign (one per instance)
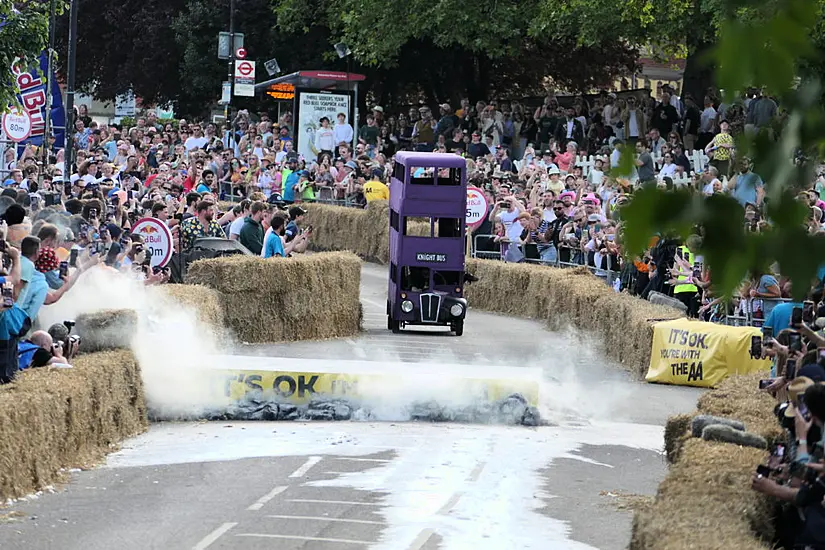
(225, 48)
(245, 78)
(272, 67)
(240, 53)
(226, 93)
(125, 104)
(476, 207)
(157, 239)
(17, 125)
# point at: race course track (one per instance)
(382, 485)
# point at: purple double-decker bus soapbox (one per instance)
(426, 284)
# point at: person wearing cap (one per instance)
(447, 122)
(296, 219)
(290, 179)
(378, 113)
(423, 133)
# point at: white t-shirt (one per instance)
(549, 216)
(508, 219)
(632, 124)
(708, 189)
(596, 177)
(325, 139)
(343, 133)
(235, 226)
(193, 143)
(668, 170)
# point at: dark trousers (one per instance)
(691, 301)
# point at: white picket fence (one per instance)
(698, 162)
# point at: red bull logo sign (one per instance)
(476, 207)
(157, 240)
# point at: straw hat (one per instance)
(796, 388)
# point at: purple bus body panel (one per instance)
(439, 254)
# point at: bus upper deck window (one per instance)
(449, 176)
(421, 176)
(448, 228)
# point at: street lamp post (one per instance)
(70, 77)
(231, 59)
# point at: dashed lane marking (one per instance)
(346, 502)
(207, 541)
(421, 539)
(318, 518)
(266, 498)
(313, 539)
(311, 461)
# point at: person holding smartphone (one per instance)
(14, 322)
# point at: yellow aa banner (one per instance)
(694, 353)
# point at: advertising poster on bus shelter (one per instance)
(311, 107)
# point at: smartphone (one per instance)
(73, 257)
(796, 317)
(808, 312)
(767, 333)
(67, 188)
(3, 246)
(756, 347)
(598, 227)
(111, 210)
(766, 382)
(8, 297)
(790, 369)
(763, 470)
(64, 269)
(795, 341)
(697, 272)
(92, 213)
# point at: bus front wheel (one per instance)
(393, 325)
(458, 327)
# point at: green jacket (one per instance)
(252, 235)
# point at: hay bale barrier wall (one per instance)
(706, 501)
(303, 298)
(51, 419)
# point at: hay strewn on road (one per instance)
(560, 296)
(107, 330)
(706, 500)
(204, 302)
(52, 418)
(302, 298)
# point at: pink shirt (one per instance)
(564, 160)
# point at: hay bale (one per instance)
(676, 433)
(664, 300)
(62, 418)
(706, 502)
(301, 298)
(204, 302)
(107, 329)
(700, 422)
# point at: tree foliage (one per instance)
(24, 35)
(764, 50)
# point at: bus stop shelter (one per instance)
(315, 94)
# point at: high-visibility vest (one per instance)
(679, 289)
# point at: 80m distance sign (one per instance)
(17, 125)
(157, 240)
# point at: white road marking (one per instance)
(320, 501)
(267, 497)
(207, 541)
(316, 539)
(474, 475)
(353, 459)
(311, 461)
(421, 539)
(374, 303)
(319, 518)
(449, 504)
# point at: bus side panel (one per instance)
(438, 254)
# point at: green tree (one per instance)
(770, 50)
(24, 34)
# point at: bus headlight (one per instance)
(406, 306)
(456, 310)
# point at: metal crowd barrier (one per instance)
(608, 275)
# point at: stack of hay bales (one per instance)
(61, 418)
(706, 500)
(300, 298)
(570, 296)
(107, 330)
(364, 232)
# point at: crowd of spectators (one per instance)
(792, 475)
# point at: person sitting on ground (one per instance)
(40, 350)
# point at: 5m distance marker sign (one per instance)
(244, 78)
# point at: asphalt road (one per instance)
(382, 485)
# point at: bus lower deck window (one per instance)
(446, 278)
(415, 279)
